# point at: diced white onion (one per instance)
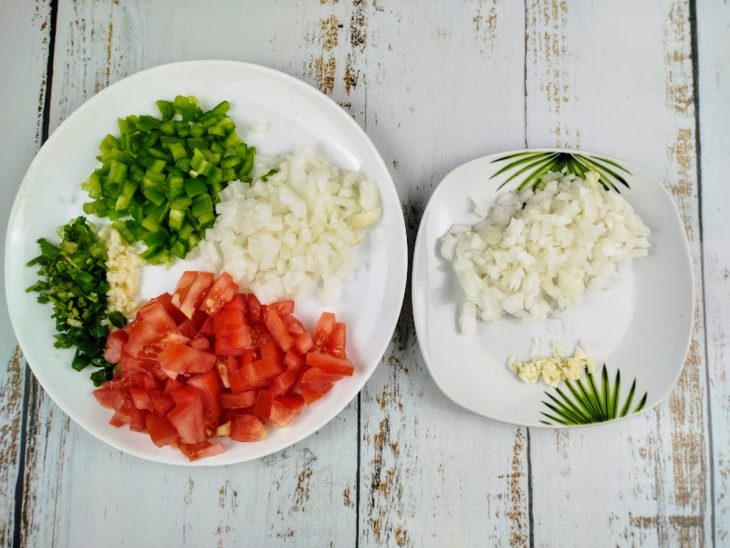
(537, 251)
(294, 232)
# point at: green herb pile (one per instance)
(73, 278)
(159, 180)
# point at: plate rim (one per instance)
(420, 247)
(305, 89)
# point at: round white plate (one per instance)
(292, 113)
(641, 327)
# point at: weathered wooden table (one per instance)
(434, 83)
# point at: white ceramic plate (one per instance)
(641, 327)
(294, 114)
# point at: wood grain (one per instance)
(432, 474)
(643, 481)
(24, 43)
(713, 29)
(78, 491)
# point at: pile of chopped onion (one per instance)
(294, 229)
(540, 249)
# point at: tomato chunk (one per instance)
(285, 408)
(160, 430)
(162, 404)
(304, 343)
(278, 330)
(114, 344)
(141, 398)
(156, 315)
(284, 307)
(325, 325)
(312, 391)
(105, 396)
(195, 293)
(262, 369)
(283, 382)
(186, 280)
(200, 450)
(247, 428)
(188, 420)
(327, 362)
(315, 374)
(254, 309)
(222, 291)
(181, 358)
(241, 400)
(210, 387)
(337, 341)
(262, 407)
(293, 361)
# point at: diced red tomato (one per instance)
(210, 386)
(105, 396)
(312, 391)
(283, 308)
(166, 300)
(241, 400)
(145, 380)
(129, 364)
(141, 335)
(247, 428)
(201, 450)
(156, 315)
(191, 363)
(278, 330)
(233, 343)
(232, 335)
(172, 384)
(294, 326)
(180, 358)
(183, 285)
(283, 382)
(160, 430)
(254, 309)
(222, 291)
(195, 293)
(271, 350)
(189, 421)
(293, 361)
(304, 343)
(162, 404)
(262, 407)
(315, 374)
(262, 369)
(340, 366)
(207, 327)
(238, 302)
(141, 398)
(114, 344)
(285, 408)
(325, 325)
(200, 343)
(259, 335)
(337, 341)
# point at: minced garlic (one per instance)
(124, 274)
(554, 368)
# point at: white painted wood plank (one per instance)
(713, 30)
(24, 41)
(79, 492)
(442, 87)
(617, 78)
